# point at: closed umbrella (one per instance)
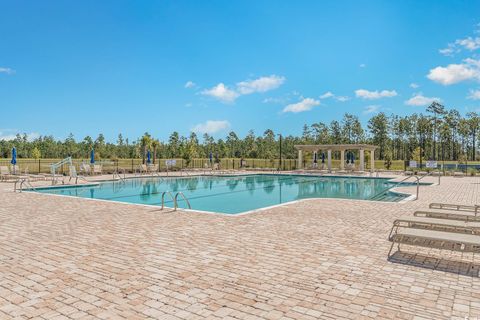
(92, 156)
(314, 157)
(211, 157)
(148, 157)
(353, 158)
(14, 158)
(323, 157)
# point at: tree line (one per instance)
(437, 134)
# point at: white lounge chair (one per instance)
(85, 169)
(152, 168)
(141, 169)
(97, 169)
(5, 174)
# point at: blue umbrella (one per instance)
(148, 157)
(314, 157)
(92, 156)
(323, 157)
(353, 158)
(211, 157)
(348, 157)
(14, 156)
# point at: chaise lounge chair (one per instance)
(97, 169)
(435, 239)
(455, 207)
(449, 215)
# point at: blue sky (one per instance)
(213, 66)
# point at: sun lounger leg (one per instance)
(391, 247)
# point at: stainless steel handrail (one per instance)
(22, 182)
(396, 184)
(171, 196)
(184, 198)
(116, 174)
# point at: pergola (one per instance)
(315, 148)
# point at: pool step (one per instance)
(387, 197)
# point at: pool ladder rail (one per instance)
(175, 199)
(22, 182)
(116, 174)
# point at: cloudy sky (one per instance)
(133, 66)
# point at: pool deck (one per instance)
(71, 258)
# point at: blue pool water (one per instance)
(234, 194)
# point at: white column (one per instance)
(329, 160)
(300, 159)
(342, 159)
(362, 160)
(372, 160)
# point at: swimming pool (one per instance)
(233, 194)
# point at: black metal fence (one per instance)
(131, 165)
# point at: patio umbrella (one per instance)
(348, 157)
(92, 156)
(210, 157)
(314, 157)
(148, 157)
(14, 158)
(323, 157)
(353, 158)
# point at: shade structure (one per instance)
(14, 156)
(148, 157)
(92, 156)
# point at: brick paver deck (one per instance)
(317, 259)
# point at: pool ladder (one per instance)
(22, 182)
(116, 174)
(175, 199)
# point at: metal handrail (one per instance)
(396, 184)
(184, 198)
(22, 182)
(171, 196)
(116, 174)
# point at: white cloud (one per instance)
(329, 94)
(261, 84)
(371, 109)
(342, 98)
(211, 126)
(469, 43)
(190, 84)
(419, 99)
(10, 134)
(326, 95)
(371, 95)
(474, 95)
(363, 65)
(305, 105)
(6, 70)
(414, 85)
(454, 73)
(448, 51)
(222, 93)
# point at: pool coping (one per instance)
(410, 197)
